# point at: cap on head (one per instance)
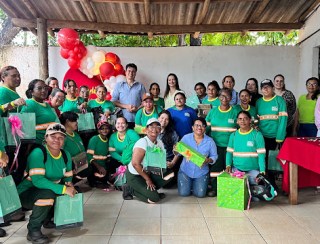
(56, 128)
(147, 96)
(266, 82)
(151, 121)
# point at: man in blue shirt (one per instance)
(127, 94)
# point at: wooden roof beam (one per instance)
(147, 11)
(88, 9)
(8, 9)
(158, 29)
(312, 7)
(31, 8)
(256, 14)
(204, 11)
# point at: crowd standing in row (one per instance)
(236, 134)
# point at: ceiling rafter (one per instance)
(256, 14)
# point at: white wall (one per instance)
(191, 64)
(309, 50)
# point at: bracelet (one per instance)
(12, 104)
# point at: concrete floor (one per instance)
(110, 219)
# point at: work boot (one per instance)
(49, 224)
(127, 192)
(2, 233)
(36, 237)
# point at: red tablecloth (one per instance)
(305, 152)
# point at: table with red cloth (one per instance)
(300, 157)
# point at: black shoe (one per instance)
(211, 193)
(36, 237)
(2, 233)
(18, 217)
(49, 224)
(5, 224)
(127, 192)
(162, 195)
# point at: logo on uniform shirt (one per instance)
(274, 108)
(187, 114)
(64, 171)
(250, 143)
(230, 121)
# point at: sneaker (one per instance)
(127, 192)
(36, 237)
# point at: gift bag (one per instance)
(273, 163)
(232, 192)
(3, 136)
(80, 162)
(86, 123)
(120, 176)
(190, 153)
(193, 101)
(28, 121)
(155, 161)
(68, 211)
(9, 199)
(141, 130)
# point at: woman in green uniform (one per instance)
(45, 115)
(45, 180)
(9, 98)
(72, 102)
(245, 97)
(106, 106)
(222, 121)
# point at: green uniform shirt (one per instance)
(71, 105)
(222, 124)
(273, 117)
(306, 109)
(116, 146)
(252, 110)
(142, 117)
(73, 144)
(215, 102)
(46, 175)
(44, 114)
(246, 151)
(98, 150)
(105, 105)
(7, 95)
(159, 101)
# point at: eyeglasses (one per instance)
(158, 127)
(223, 97)
(312, 84)
(42, 88)
(199, 126)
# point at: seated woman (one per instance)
(148, 111)
(182, 115)
(56, 99)
(141, 183)
(120, 141)
(37, 93)
(155, 92)
(192, 178)
(246, 149)
(47, 176)
(97, 152)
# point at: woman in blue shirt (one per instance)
(192, 178)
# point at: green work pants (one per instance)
(40, 201)
(139, 186)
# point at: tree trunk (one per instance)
(8, 33)
(195, 41)
(181, 41)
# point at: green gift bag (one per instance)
(86, 123)
(68, 211)
(28, 128)
(232, 192)
(155, 160)
(190, 153)
(3, 136)
(141, 130)
(273, 163)
(9, 199)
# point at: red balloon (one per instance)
(82, 49)
(64, 53)
(118, 69)
(112, 57)
(68, 38)
(73, 63)
(106, 69)
(108, 96)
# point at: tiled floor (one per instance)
(109, 219)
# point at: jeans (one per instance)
(198, 186)
(251, 174)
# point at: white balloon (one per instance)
(91, 49)
(98, 57)
(120, 78)
(113, 79)
(90, 63)
(90, 76)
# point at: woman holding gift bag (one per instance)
(47, 176)
(9, 98)
(141, 181)
(191, 177)
(222, 122)
(45, 115)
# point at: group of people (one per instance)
(236, 134)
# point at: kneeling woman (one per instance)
(48, 175)
(140, 183)
(192, 178)
(246, 149)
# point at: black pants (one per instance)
(270, 144)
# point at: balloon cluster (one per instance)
(89, 60)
